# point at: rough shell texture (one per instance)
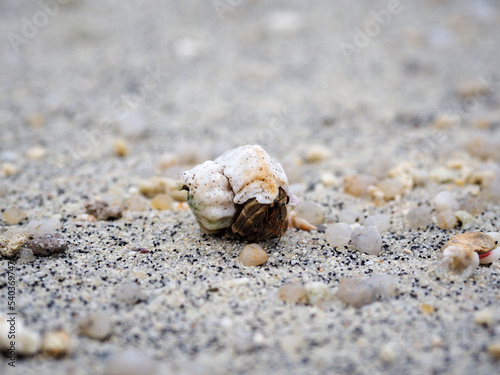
(475, 241)
(244, 192)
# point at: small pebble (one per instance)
(252, 255)
(367, 240)
(350, 216)
(293, 293)
(153, 186)
(446, 220)
(28, 342)
(36, 153)
(358, 292)
(391, 187)
(96, 326)
(35, 120)
(161, 202)
(130, 293)
(9, 169)
(475, 206)
(47, 244)
(121, 147)
(328, 179)
(317, 153)
(108, 209)
(13, 215)
(26, 256)
(136, 204)
(338, 234)
(11, 247)
(389, 352)
(425, 308)
(130, 362)
(466, 219)
(56, 344)
(167, 160)
(312, 212)
(37, 228)
(419, 217)
(485, 317)
(380, 221)
(494, 350)
(317, 291)
(357, 185)
(445, 201)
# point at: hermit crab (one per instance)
(242, 193)
(464, 252)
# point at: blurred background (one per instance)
(361, 78)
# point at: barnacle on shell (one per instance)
(244, 192)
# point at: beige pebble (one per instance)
(252, 255)
(425, 308)
(446, 220)
(161, 202)
(357, 185)
(317, 153)
(167, 160)
(494, 350)
(472, 89)
(13, 215)
(485, 317)
(12, 247)
(293, 292)
(9, 169)
(317, 291)
(36, 153)
(389, 352)
(96, 326)
(328, 179)
(56, 344)
(136, 204)
(121, 147)
(153, 186)
(28, 342)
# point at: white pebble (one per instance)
(133, 125)
(317, 291)
(350, 216)
(419, 217)
(28, 342)
(96, 326)
(339, 234)
(367, 240)
(130, 293)
(37, 228)
(445, 201)
(380, 221)
(311, 211)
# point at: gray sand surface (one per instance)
(205, 76)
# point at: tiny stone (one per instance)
(384, 285)
(35, 120)
(121, 147)
(13, 215)
(130, 293)
(28, 342)
(312, 212)
(167, 160)
(391, 187)
(355, 292)
(36, 153)
(108, 209)
(293, 293)
(475, 206)
(389, 353)
(56, 344)
(338, 234)
(37, 228)
(96, 326)
(445, 201)
(47, 244)
(130, 362)
(485, 317)
(494, 350)
(136, 204)
(9, 169)
(446, 220)
(317, 291)
(357, 185)
(133, 125)
(425, 308)
(161, 202)
(465, 218)
(152, 187)
(317, 153)
(26, 256)
(350, 216)
(367, 240)
(419, 217)
(380, 221)
(328, 179)
(252, 255)
(10, 248)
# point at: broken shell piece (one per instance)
(296, 222)
(464, 252)
(243, 192)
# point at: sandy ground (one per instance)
(201, 77)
